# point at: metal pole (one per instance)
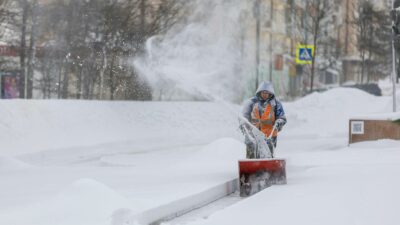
(25, 85)
(257, 15)
(270, 40)
(394, 65)
(305, 22)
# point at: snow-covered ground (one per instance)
(76, 162)
(88, 162)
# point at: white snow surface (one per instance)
(379, 116)
(93, 163)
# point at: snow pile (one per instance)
(329, 182)
(386, 86)
(10, 163)
(32, 126)
(378, 144)
(85, 201)
(112, 160)
(227, 149)
(379, 116)
(327, 114)
(92, 158)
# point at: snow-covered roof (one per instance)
(381, 116)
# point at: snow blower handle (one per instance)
(269, 139)
(272, 132)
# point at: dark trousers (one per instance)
(251, 148)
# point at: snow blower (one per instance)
(261, 170)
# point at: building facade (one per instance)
(286, 24)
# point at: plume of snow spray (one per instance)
(203, 57)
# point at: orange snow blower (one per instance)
(262, 171)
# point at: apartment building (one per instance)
(285, 24)
(268, 47)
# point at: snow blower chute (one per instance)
(261, 170)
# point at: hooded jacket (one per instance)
(264, 107)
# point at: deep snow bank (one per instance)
(327, 114)
(35, 125)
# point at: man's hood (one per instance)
(265, 86)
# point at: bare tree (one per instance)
(5, 14)
(20, 20)
(126, 28)
(373, 36)
(318, 11)
(22, 51)
(307, 23)
(85, 48)
(32, 48)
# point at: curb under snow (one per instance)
(182, 206)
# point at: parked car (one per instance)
(372, 88)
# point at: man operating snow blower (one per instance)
(266, 113)
(262, 118)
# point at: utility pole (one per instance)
(270, 39)
(256, 12)
(394, 56)
(305, 22)
(305, 71)
(292, 89)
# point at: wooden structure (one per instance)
(373, 129)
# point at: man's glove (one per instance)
(279, 123)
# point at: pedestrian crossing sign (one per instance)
(304, 54)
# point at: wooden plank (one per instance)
(374, 130)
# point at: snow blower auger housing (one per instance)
(258, 174)
(262, 169)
